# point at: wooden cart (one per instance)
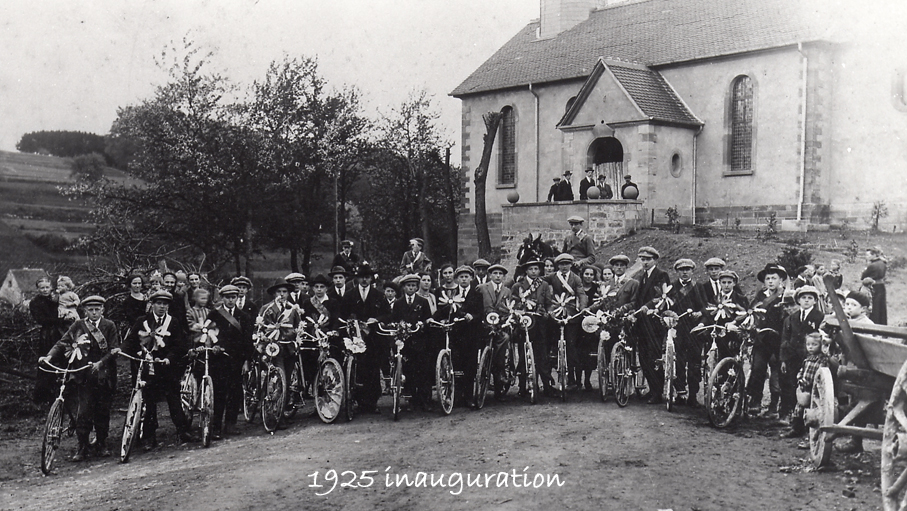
(875, 376)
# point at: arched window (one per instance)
(507, 163)
(741, 143)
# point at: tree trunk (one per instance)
(294, 260)
(451, 208)
(422, 175)
(492, 120)
(248, 246)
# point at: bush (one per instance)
(701, 231)
(793, 257)
(50, 242)
(897, 262)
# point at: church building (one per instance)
(727, 110)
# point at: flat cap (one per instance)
(94, 300)
(576, 219)
(715, 261)
(684, 263)
(229, 289)
(241, 280)
(861, 298)
(729, 273)
(564, 258)
(464, 269)
(294, 277)
(619, 258)
(161, 295)
(481, 262)
(648, 251)
(497, 267)
(806, 290)
(412, 277)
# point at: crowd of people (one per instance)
(167, 315)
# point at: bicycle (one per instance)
(484, 361)
(626, 372)
(353, 345)
(329, 387)
(525, 368)
(203, 400)
(400, 332)
(135, 411)
(669, 358)
(562, 346)
(444, 369)
(53, 426)
(599, 322)
(265, 385)
(726, 388)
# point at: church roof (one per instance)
(653, 97)
(652, 32)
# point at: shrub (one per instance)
(793, 257)
(701, 231)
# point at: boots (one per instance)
(797, 428)
(772, 411)
(101, 448)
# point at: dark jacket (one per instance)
(101, 340)
(235, 335)
(793, 335)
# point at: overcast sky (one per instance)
(68, 65)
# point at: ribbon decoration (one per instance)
(665, 302)
(455, 302)
(528, 302)
(354, 345)
(749, 322)
(509, 304)
(562, 301)
(209, 332)
(158, 334)
(724, 310)
(75, 349)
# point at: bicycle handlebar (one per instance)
(60, 370)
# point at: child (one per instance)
(814, 360)
(793, 347)
(855, 306)
(68, 301)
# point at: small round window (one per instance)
(676, 165)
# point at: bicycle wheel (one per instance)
(724, 393)
(444, 381)
(669, 392)
(274, 399)
(397, 386)
(532, 378)
(349, 403)
(483, 376)
(134, 413)
(206, 408)
(621, 373)
(251, 386)
(562, 369)
(329, 389)
(189, 394)
(53, 430)
(602, 363)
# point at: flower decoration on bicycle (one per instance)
(74, 351)
(563, 302)
(528, 303)
(726, 310)
(454, 302)
(207, 333)
(665, 302)
(153, 339)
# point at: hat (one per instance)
(411, 277)
(628, 177)
(160, 295)
(229, 290)
(715, 261)
(729, 273)
(294, 277)
(684, 263)
(563, 258)
(619, 258)
(557, 178)
(241, 280)
(280, 283)
(365, 270)
(861, 298)
(497, 267)
(775, 268)
(321, 279)
(534, 262)
(420, 241)
(588, 169)
(481, 262)
(568, 173)
(788, 297)
(649, 251)
(464, 269)
(94, 300)
(338, 270)
(806, 290)
(576, 219)
(346, 243)
(390, 284)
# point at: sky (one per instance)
(68, 65)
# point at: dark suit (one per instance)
(564, 191)
(571, 329)
(793, 352)
(688, 346)
(539, 301)
(248, 306)
(418, 367)
(370, 361)
(649, 331)
(338, 299)
(584, 186)
(348, 262)
(766, 345)
(235, 336)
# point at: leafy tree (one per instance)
(88, 166)
(64, 144)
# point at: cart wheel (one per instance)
(444, 381)
(821, 412)
(602, 370)
(894, 446)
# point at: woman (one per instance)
(876, 270)
(446, 282)
(548, 269)
(587, 343)
(425, 291)
(43, 310)
(136, 303)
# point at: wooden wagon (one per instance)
(875, 378)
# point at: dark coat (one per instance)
(349, 263)
(793, 334)
(355, 307)
(584, 186)
(102, 340)
(234, 336)
(650, 286)
(175, 345)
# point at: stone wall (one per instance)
(606, 220)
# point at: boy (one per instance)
(793, 345)
(855, 306)
(419, 368)
(767, 342)
(814, 360)
(533, 294)
(687, 296)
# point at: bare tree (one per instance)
(492, 121)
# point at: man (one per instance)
(414, 260)
(648, 330)
(710, 288)
(627, 287)
(607, 192)
(244, 302)
(579, 244)
(627, 184)
(533, 295)
(234, 336)
(419, 368)
(363, 303)
(804, 276)
(467, 338)
(767, 343)
(552, 192)
(587, 182)
(687, 296)
(346, 258)
(93, 340)
(323, 310)
(159, 335)
(564, 191)
(568, 298)
(299, 288)
(338, 289)
(277, 320)
(481, 268)
(494, 296)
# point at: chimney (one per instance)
(561, 15)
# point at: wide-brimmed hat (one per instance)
(338, 270)
(729, 273)
(160, 295)
(775, 268)
(534, 262)
(321, 279)
(564, 258)
(412, 277)
(464, 269)
(619, 258)
(280, 283)
(294, 277)
(481, 262)
(365, 270)
(94, 300)
(497, 267)
(684, 263)
(715, 261)
(648, 251)
(229, 289)
(241, 280)
(806, 290)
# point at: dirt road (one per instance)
(603, 457)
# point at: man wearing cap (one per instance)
(339, 287)
(793, 347)
(568, 298)
(158, 335)
(363, 303)
(346, 258)
(729, 302)
(299, 288)
(627, 286)
(494, 295)
(648, 330)
(467, 337)
(244, 302)
(587, 182)
(767, 343)
(533, 295)
(552, 192)
(688, 300)
(481, 272)
(419, 368)
(578, 243)
(234, 335)
(627, 184)
(414, 260)
(97, 340)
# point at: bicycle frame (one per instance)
(53, 426)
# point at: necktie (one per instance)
(803, 317)
(409, 300)
(363, 292)
(715, 288)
